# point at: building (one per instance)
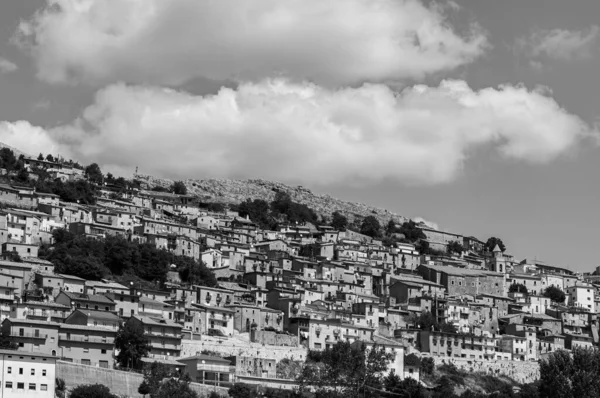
(27, 374)
(253, 366)
(207, 369)
(164, 335)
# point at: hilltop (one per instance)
(235, 191)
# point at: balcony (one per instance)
(84, 339)
(32, 336)
(165, 335)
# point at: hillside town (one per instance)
(279, 292)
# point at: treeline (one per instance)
(280, 211)
(115, 256)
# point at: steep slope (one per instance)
(236, 191)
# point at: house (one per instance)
(30, 374)
(164, 335)
(87, 337)
(246, 317)
(254, 366)
(85, 301)
(127, 304)
(73, 283)
(207, 369)
(49, 282)
(33, 335)
(212, 320)
(22, 249)
(40, 310)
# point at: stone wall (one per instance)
(119, 382)
(231, 347)
(520, 371)
(271, 338)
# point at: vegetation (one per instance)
(280, 211)
(565, 375)
(426, 321)
(91, 391)
(455, 247)
(159, 382)
(94, 174)
(179, 188)
(517, 288)
(94, 259)
(339, 221)
(555, 294)
(370, 226)
(132, 345)
(59, 388)
(427, 366)
(492, 242)
(346, 370)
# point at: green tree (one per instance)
(370, 226)
(40, 156)
(240, 390)
(339, 221)
(23, 175)
(455, 247)
(407, 388)
(555, 294)
(144, 388)
(575, 375)
(346, 370)
(178, 387)
(412, 232)
(132, 344)
(154, 374)
(49, 158)
(179, 188)
(93, 173)
(91, 391)
(517, 288)
(492, 242)
(427, 366)
(59, 388)
(390, 228)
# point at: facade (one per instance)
(27, 375)
(164, 335)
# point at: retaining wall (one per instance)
(231, 347)
(520, 371)
(119, 382)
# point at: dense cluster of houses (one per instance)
(307, 285)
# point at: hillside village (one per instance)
(276, 291)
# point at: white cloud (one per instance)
(170, 42)
(302, 132)
(560, 44)
(430, 224)
(7, 66)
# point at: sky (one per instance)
(480, 116)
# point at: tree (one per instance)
(346, 370)
(555, 294)
(427, 366)
(517, 288)
(91, 391)
(40, 156)
(240, 390)
(455, 247)
(59, 388)
(339, 221)
(408, 387)
(370, 226)
(412, 232)
(492, 242)
(390, 228)
(426, 321)
(154, 374)
(176, 387)
(132, 344)
(93, 173)
(179, 188)
(50, 158)
(7, 343)
(564, 375)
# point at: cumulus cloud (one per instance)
(335, 42)
(302, 132)
(7, 66)
(560, 44)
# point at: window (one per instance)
(103, 351)
(20, 386)
(43, 372)
(32, 386)
(43, 387)
(8, 384)
(33, 372)
(20, 371)
(86, 349)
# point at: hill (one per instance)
(235, 191)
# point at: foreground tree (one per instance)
(93, 173)
(59, 388)
(575, 375)
(132, 344)
(346, 370)
(91, 391)
(555, 294)
(455, 247)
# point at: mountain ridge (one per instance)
(230, 191)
